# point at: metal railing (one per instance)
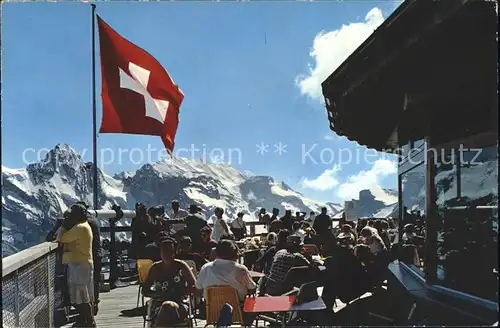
(30, 294)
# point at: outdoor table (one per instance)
(265, 304)
(256, 275)
(281, 304)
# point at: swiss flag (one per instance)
(138, 95)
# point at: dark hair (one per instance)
(296, 225)
(363, 253)
(226, 250)
(193, 208)
(151, 211)
(185, 242)
(305, 225)
(167, 242)
(282, 235)
(78, 211)
(175, 202)
(84, 204)
(219, 209)
(162, 235)
(366, 232)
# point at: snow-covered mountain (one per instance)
(32, 198)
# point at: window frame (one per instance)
(475, 141)
(402, 170)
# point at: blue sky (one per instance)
(250, 72)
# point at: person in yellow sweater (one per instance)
(76, 237)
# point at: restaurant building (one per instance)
(424, 86)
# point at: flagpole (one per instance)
(94, 114)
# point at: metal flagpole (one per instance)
(94, 114)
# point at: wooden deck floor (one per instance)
(118, 309)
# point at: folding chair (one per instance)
(149, 319)
(143, 267)
(192, 266)
(216, 297)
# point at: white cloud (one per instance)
(330, 49)
(326, 181)
(330, 136)
(369, 179)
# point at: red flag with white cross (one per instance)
(138, 94)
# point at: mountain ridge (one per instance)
(33, 197)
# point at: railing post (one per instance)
(49, 288)
(112, 253)
(17, 310)
(113, 265)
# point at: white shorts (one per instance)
(81, 283)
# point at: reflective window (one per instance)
(445, 182)
(411, 246)
(419, 143)
(403, 152)
(467, 234)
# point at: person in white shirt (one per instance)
(238, 227)
(220, 226)
(226, 271)
(298, 231)
(373, 240)
(178, 214)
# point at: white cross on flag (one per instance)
(138, 94)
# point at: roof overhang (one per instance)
(418, 59)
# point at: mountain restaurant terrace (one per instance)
(425, 85)
(32, 294)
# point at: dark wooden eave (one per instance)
(426, 53)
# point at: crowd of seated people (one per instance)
(348, 261)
